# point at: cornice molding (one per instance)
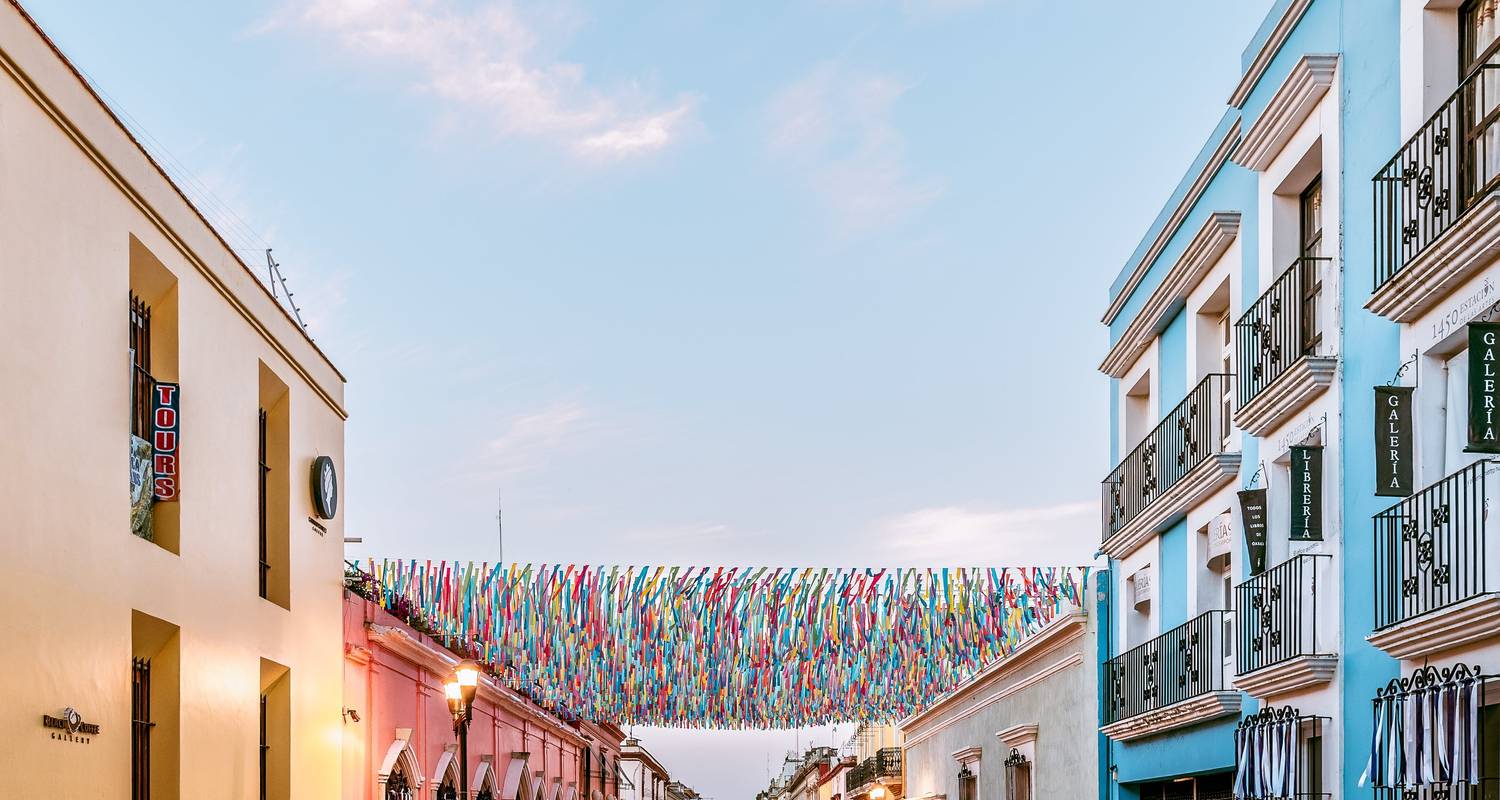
(1470, 621)
(1292, 390)
(1202, 708)
(1209, 476)
(1268, 51)
(1194, 193)
(968, 755)
(1288, 108)
(1017, 735)
(399, 642)
(1467, 248)
(1288, 676)
(1058, 634)
(1208, 245)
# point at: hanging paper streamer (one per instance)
(727, 647)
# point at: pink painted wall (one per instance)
(401, 687)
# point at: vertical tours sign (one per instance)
(165, 427)
(1393, 441)
(1484, 387)
(1307, 493)
(1253, 510)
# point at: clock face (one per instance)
(325, 487)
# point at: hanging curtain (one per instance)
(1427, 732)
(1266, 750)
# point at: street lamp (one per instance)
(460, 689)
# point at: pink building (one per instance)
(398, 735)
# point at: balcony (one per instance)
(1437, 218)
(883, 768)
(1276, 629)
(1275, 342)
(1437, 585)
(1172, 681)
(1179, 463)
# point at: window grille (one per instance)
(141, 382)
(140, 729)
(265, 471)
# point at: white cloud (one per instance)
(836, 128)
(1065, 534)
(528, 441)
(493, 61)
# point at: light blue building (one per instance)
(1297, 523)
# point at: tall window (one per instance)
(141, 382)
(1017, 776)
(265, 473)
(1311, 234)
(1480, 40)
(140, 729)
(1479, 53)
(1226, 367)
(968, 784)
(588, 775)
(447, 791)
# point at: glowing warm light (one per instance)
(453, 690)
(877, 793)
(468, 674)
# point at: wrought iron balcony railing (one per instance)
(1189, 434)
(1279, 328)
(1431, 549)
(1179, 665)
(1451, 161)
(886, 763)
(1276, 614)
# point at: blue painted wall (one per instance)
(1174, 562)
(1371, 136)
(1172, 366)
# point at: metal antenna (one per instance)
(500, 520)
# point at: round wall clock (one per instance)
(325, 488)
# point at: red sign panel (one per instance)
(165, 427)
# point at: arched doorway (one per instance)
(398, 785)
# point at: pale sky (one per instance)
(807, 283)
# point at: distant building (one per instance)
(677, 790)
(878, 770)
(1022, 729)
(643, 777)
(398, 738)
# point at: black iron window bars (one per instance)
(1278, 754)
(1438, 175)
(1434, 737)
(264, 532)
(1186, 437)
(1181, 664)
(142, 384)
(1276, 613)
(1431, 549)
(140, 729)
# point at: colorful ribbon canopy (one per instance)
(727, 647)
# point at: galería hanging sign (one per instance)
(1393, 441)
(166, 425)
(1307, 493)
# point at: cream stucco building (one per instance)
(174, 652)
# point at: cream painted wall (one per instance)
(76, 191)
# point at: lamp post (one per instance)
(460, 689)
